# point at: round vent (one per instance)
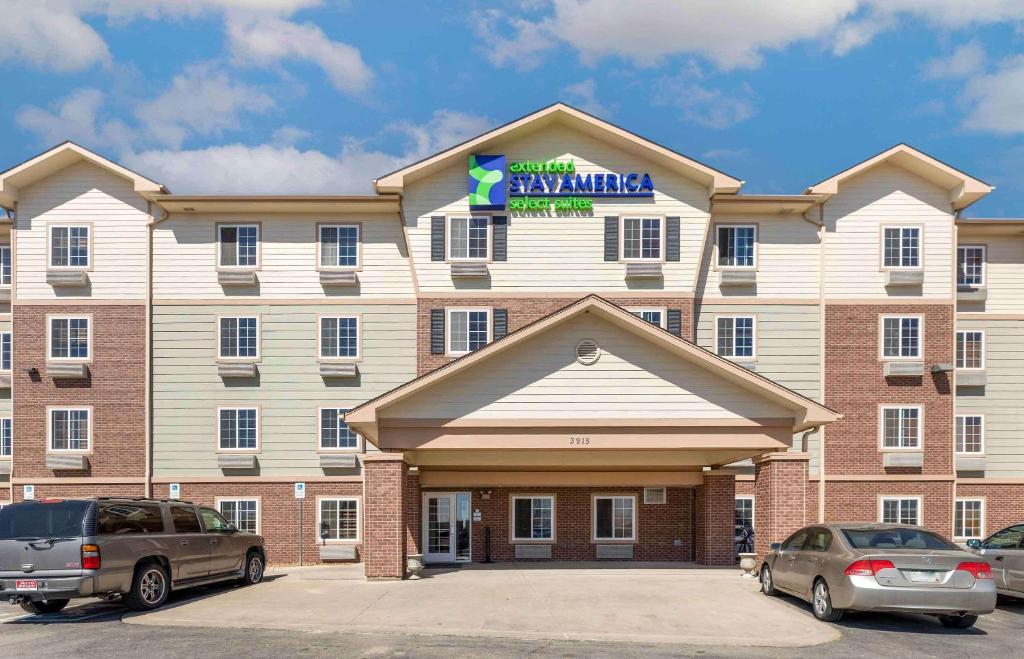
(588, 352)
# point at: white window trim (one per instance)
(319, 437)
(981, 531)
(664, 496)
(717, 254)
(259, 429)
(320, 338)
(49, 248)
(753, 508)
(359, 520)
(11, 250)
(593, 519)
(662, 310)
(753, 337)
(920, 428)
(49, 338)
(881, 337)
(359, 246)
(956, 336)
(49, 429)
(10, 417)
(259, 512)
(7, 370)
(544, 541)
(448, 237)
(957, 439)
(900, 497)
(259, 340)
(448, 327)
(259, 246)
(984, 265)
(622, 239)
(920, 247)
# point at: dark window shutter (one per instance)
(437, 331)
(611, 238)
(674, 322)
(499, 238)
(437, 238)
(500, 323)
(671, 238)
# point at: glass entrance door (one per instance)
(447, 529)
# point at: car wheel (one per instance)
(50, 606)
(150, 587)
(253, 569)
(767, 583)
(958, 622)
(821, 604)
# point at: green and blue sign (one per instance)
(487, 182)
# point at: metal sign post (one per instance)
(300, 494)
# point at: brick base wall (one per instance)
(714, 520)
(387, 482)
(780, 498)
(1004, 503)
(858, 501)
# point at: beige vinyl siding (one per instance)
(1004, 272)
(84, 194)
(185, 256)
(886, 195)
(540, 378)
(1001, 399)
(560, 253)
(187, 390)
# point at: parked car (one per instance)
(880, 567)
(54, 550)
(1004, 551)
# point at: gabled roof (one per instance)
(568, 115)
(807, 412)
(57, 158)
(964, 190)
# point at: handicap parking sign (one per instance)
(300, 490)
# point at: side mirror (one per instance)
(974, 543)
(232, 528)
(775, 546)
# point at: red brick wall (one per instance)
(385, 530)
(1004, 503)
(83, 490)
(781, 501)
(715, 515)
(858, 501)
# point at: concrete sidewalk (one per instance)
(650, 603)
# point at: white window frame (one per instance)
(753, 509)
(259, 429)
(651, 500)
(718, 247)
(984, 266)
(49, 247)
(957, 517)
(531, 497)
(956, 346)
(900, 318)
(7, 338)
(88, 338)
(320, 438)
(219, 500)
(919, 445)
(920, 246)
(10, 447)
(319, 245)
(259, 339)
(448, 327)
(10, 262)
(448, 244)
(661, 242)
(320, 338)
(900, 498)
(636, 311)
(957, 439)
(220, 246)
(753, 336)
(593, 518)
(49, 429)
(359, 520)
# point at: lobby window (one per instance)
(901, 247)
(468, 238)
(655, 317)
(734, 336)
(901, 427)
(901, 337)
(533, 518)
(744, 514)
(5, 265)
(969, 519)
(334, 432)
(69, 337)
(468, 330)
(970, 266)
(339, 519)
(5, 352)
(901, 510)
(243, 513)
(6, 437)
(736, 246)
(970, 433)
(239, 245)
(239, 338)
(69, 247)
(70, 429)
(615, 518)
(238, 429)
(641, 238)
(339, 245)
(339, 337)
(970, 349)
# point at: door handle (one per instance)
(213, 541)
(184, 542)
(999, 558)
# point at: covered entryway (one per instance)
(447, 529)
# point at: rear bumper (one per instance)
(49, 588)
(865, 594)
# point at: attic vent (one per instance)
(588, 352)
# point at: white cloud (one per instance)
(289, 136)
(725, 154)
(996, 99)
(704, 105)
(75, 118)
(584, 95)
(963, 62)
(49, 34)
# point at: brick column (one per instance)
(715, 517)
(384, 542)
(780, 497)
(413, 509)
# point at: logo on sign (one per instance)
(29, 492)
(486, 182)
(300, 490)
(175, 491)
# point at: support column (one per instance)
(385, 486)
(413, 512)
(780, 497)
(715, 513)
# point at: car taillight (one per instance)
(867, 567)
(90, 557)
(978, 570)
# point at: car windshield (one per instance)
(33, 521)
(895, 539)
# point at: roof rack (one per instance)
(144, 499)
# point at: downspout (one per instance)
(820, 223)
(149, 346)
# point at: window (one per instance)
(901, 510)
(5, 265)
(334, 433)
(795, 542)
(901, 337)
(5, 351)
(185, 519)
(735, 336)
(213, 521)
(969, 520)
(1009, 538)
(238, 429)
(468, 330)
(901, 427)
(339, 246)
(970, 434)
(69, 247)
(467, 238)
(615, 518)
(818, 540)
(970, 266)
(655, 317)
(6, 438)
(70, 429)
(736, 246)
(243, 513)
(641, 238)
(655, 495)
(339, 337)
(970, 349)
(744, 513)
(239, 245)
(121, 518)
(339, 519)
(239, 338)
(917, 539)
(69, 338)
(534, 518)
(902, 248)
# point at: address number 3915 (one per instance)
(579, 441)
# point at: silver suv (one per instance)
(53, 550)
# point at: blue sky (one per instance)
(321, 96)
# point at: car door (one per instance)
(225, 554)
(193, 551)
(811, 559)
(785, 569)
(1005, 553)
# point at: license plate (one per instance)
(26, 584)
(926, 577)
